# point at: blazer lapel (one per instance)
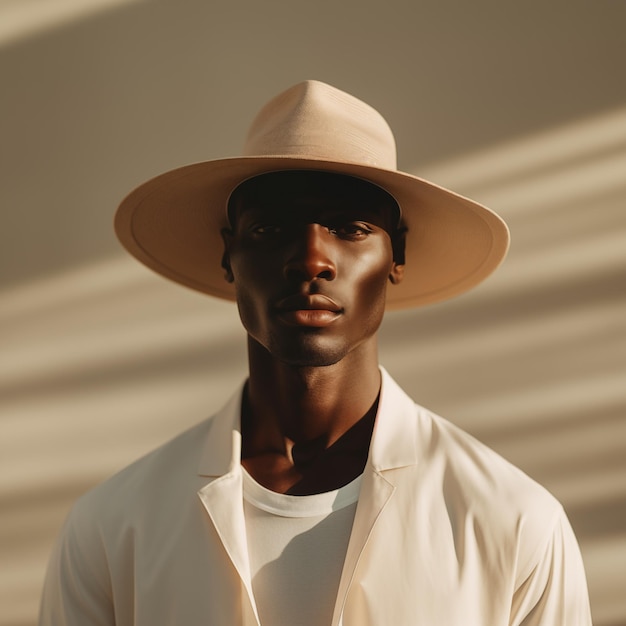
(223, 496)
(394, 445)
(375, 493)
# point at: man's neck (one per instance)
(307, 429)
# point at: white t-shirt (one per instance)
(297, 546)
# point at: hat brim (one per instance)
(172, 224)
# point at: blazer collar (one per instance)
(221, 450)
(395, 439)
(394, 443)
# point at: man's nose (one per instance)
(311, 255)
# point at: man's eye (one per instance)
(265, 229)
(352, 230)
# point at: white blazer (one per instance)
(446, 533)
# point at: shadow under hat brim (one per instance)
(172, 224)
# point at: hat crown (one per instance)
(313, 120)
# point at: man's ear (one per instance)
(227, 237)
(397, 273)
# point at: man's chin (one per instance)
(309, 352)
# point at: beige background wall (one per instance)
(522, 106)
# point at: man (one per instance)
(320, 494)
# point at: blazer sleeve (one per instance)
(77, 589)
(555, 593)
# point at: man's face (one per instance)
(310, 255)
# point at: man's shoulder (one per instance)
(442, 450)
(475, 469)
(157, 467)
(478, 488)
(450, 455)
(170, 473)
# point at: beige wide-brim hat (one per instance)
(172, 223)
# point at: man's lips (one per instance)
(313, 310)
(312, 302)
